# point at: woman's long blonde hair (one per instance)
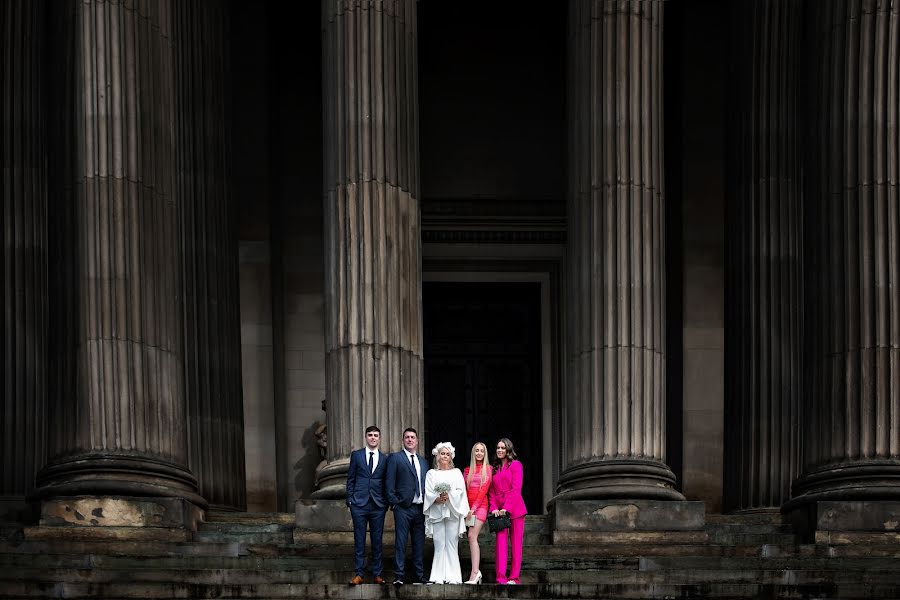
(485, 470)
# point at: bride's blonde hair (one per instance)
(485, 469)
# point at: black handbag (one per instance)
(500, 523)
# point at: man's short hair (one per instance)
(372, 428)
(410, 429)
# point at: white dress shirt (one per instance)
(409, 456)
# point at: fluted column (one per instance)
(852, 409)
(373, 286)
(117, 415)
(212, 359)
(763, 307)
(615, 409)
(23, 154)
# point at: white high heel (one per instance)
(475, 581)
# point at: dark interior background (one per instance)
(483, 372)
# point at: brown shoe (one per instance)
(379, 580)
(356, 580)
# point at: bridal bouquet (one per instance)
(442, 488)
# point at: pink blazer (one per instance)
(506, 491)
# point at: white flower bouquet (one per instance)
(442, 488)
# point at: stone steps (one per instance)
(235, 555)
(240, 518)
(96, 561)
(249, 576)
(325, 573)
(571, 591)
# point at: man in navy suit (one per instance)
(365, 497)
(405, 489)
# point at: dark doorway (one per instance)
(483, 371)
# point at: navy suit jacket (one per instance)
(400, 485)
(362, 484)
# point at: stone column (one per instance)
(851, 412)
(373, 269)
(763, 305)
(23, 155)
(615, 409)
(212, 340)
(117, 411)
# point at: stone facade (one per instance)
(213, 233)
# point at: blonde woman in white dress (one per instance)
(446, 506)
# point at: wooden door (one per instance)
(483, 372)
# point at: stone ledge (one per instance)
(108, 533)
(630, 537)
(605, 516)
(835, 538)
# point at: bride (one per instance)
(446, 506)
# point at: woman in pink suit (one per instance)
(506, 497)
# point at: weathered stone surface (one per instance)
(627, 515)
(250, 518)
(121, 512)
(858, 516)
(848, 522)
(587, 537)
(129, 534)
(835, 538)
(329, 516)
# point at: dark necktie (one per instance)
(371, 454)
(412, 463)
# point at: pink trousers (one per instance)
(518, 534)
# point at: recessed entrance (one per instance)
(483, 371)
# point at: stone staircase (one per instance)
(264, 556)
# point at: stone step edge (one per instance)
(374, 592)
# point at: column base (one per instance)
(332, 480)
(619, 478)
(111, 511)
(857, 480)
(847, 522)
(117, 476)
(627, 521)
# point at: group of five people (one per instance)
(438, 502)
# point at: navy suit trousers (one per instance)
(370, 515)
(409, 522)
